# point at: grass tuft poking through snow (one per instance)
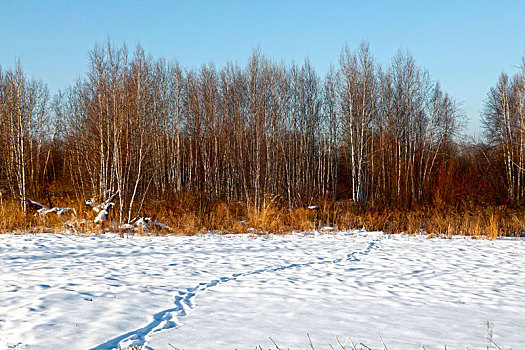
(347, 345)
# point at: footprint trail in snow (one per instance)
(184, 300)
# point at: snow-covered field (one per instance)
(221, 292)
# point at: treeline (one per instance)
(151, 129)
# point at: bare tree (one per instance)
(23, 127)
(357, 100)
(504, 121)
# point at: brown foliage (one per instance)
(236, 148)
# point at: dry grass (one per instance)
(12, 217)
(491, 222)
(348, 344)
(186, 216)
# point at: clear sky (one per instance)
(463, 44)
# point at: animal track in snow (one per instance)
(183, 301)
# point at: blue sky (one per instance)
(463, 44)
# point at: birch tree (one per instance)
(504, 121)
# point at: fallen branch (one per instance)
(43, 210)
(102, 209)
(144, 225)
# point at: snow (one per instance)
(218, 292)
